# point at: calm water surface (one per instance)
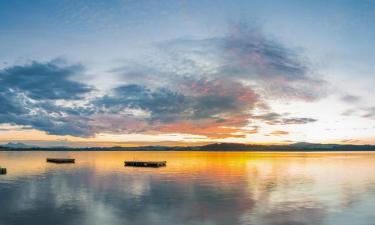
(195, 188)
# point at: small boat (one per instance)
(154, 164)
(56, 160)
(3, 171)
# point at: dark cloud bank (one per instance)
(208, 87)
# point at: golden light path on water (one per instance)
(194, 188)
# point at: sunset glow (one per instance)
(130, 73)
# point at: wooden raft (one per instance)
(154, 164)
(56, 160)
(3, 171)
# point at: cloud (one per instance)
(10, 102)
(369, 113)
(350, 98)
(29, 93)
(211, 86)
(278, 133)
(208, 87)
(50, 118)
(350, 141)
(210, 108)
(349, 112)
(162, 104)
(44, 81)
(245, 54)
(282, 119)
(300, 120)
(250, 53)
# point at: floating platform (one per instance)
(154, 164)
(54, 160)
(3, 171)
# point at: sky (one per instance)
(186, 72)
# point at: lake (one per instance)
(207, 188)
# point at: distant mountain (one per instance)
(18, 145)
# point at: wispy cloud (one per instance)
(247, 55)
(282, 119)
(369, 113)
(278, 133)
(350, 98)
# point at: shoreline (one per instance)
(257, 151)
(218, 147)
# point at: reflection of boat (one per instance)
(146, 163)
(3, 171)
(55, 160)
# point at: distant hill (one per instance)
(17, 145)
(302, 146)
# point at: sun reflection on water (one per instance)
(194, 188)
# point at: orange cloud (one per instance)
(279, 133)
(211, 128)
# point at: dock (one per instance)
(56, 160)
(154, 164)
(3, 171)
